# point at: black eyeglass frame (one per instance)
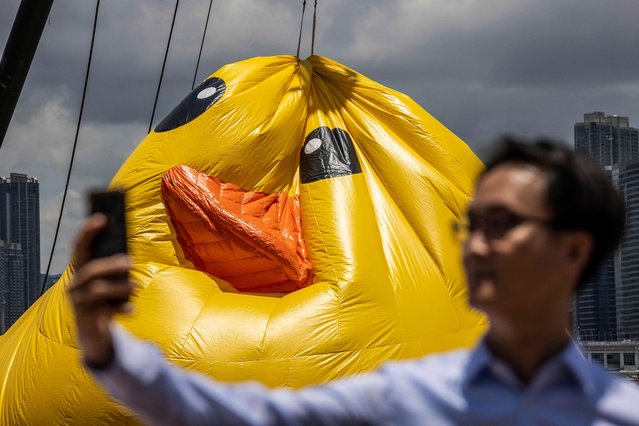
(466, 226)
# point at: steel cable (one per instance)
(206, 25)
(299, 40)
(166, 54)
(75, 144)
(314, 21)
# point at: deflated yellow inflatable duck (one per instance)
(289, 222)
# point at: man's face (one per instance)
(513, 259)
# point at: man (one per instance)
(539, 225)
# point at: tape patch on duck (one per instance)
(326, 154)
(252, 240)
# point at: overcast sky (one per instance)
(482, 67)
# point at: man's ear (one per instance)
(579, 246)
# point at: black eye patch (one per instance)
(194, 105)
(326, 154)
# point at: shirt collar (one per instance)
(575, 362)
(480, 360)
(570, 359)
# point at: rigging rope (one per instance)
(166, 54)
(75, 144)
(197, 66)
(314, 20)
(299, 40)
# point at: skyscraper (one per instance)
(603, 307)
(596, 308)
(12, 303)
(607, 139)
(626, 178)
(20, 225)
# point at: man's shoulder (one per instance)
(609, 395)
(614, 398)
(608, 383)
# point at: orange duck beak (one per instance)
(251, 239)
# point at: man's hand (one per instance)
(100, 288)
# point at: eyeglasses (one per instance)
(496, 224)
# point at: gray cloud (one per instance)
(482, 67)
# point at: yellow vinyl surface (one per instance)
(387, 277)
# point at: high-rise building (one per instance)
(608, 139)
(12, 303)
(600, 312)
(626, 178)
(20, 224)
(595, 316)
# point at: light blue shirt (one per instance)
(465, 387)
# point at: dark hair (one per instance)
(579, 194)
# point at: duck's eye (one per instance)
(196, 103)
(326, 154)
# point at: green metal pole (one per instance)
(18, 54)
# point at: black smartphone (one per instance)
(112, 240)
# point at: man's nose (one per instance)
(476, 244)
